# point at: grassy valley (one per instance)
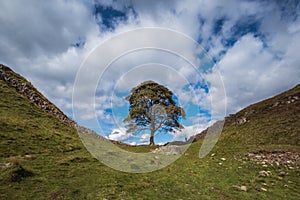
(257, 157)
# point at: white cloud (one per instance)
(42, 28)
(251, 73)
(119, 134)
(132, 143)
(189, 131)
(145, 137)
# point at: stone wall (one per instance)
(24, 87)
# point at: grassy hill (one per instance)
(42, 157)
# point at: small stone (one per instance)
(243, 188)
(4, 165)
(265, 165)
(220, 163)
(280, 177)
(264, 173)
(285, 185)
(223, 159)
(290, 167)
(264, 184)
(263, 189)
(212, 155)
(258, 157)
(282, 173)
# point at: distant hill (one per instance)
(43, 157)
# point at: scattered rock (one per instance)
(4, 165)
(241, 121)
(243, 188)
(223, 159)
(28, 156)
(265, 173)
(263, 189)
(276, 158)
(282, 173)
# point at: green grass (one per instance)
(58, 166)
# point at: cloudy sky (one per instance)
(252, 46)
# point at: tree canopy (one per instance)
(152, 108)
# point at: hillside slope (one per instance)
(26, 89)
(274, 121)
(42, 157)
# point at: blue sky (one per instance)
(252, 45)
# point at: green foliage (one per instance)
(152, 108)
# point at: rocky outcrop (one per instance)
(169, 150)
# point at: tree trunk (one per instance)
(152, 140)
(152, 132)
(152, 129)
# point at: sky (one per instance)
(246, 49)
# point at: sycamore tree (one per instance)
(152, 109)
